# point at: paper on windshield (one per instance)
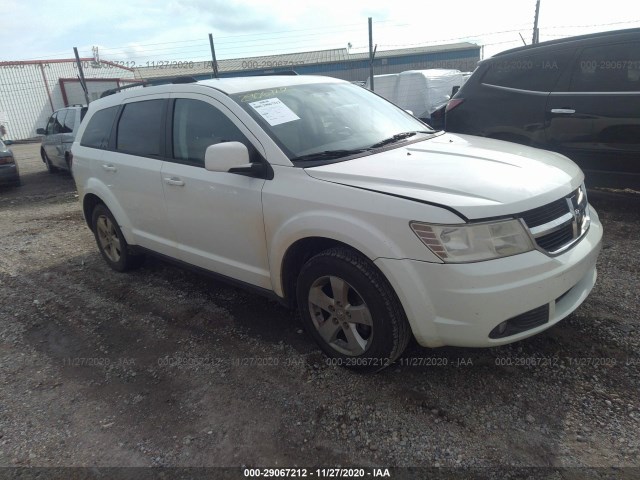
(274, 111)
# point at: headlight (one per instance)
(474, 242)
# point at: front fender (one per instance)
(357, 233)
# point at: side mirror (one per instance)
(222, 157)
(41, 131)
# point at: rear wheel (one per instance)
(351, 311)
(111, 242)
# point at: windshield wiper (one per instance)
(328, 155)
(397, 137)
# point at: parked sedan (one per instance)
(9, 174)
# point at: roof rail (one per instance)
(270, 74)
(285, 72)
(149, 83)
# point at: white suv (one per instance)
(330, 198)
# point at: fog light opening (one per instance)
(501, 328)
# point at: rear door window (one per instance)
(140, 128)
(608, 68)
(537, 73)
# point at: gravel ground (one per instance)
(165, 367)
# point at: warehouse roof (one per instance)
(289, 60)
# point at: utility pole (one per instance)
(83, 83)
(371, 54)
(536, 33)
(214, 63)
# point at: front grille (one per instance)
(559, 224)
(556, 240)
(546, 213)
(523, 322)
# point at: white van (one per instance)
(420, 91)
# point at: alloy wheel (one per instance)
(108, 238)
(340, 315)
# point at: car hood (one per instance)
(478, 177)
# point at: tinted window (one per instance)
(69, 122)
(140, 128)
(196, 125)
(533, 72)
(608, 68)
(98, 130)
(59, 121)
(50, 124)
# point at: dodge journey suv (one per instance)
(337, 202)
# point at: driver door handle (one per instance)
(563, 110)
(108, 168)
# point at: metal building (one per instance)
(30, 91)
(337, 63)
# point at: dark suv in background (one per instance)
(579, 96)
(59, 135)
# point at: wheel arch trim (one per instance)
(96, 189)
(367, 239)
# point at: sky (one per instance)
(142, 32)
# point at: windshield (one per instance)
(329, 120)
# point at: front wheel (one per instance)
(47, 162)
(111, 242)
(349, 308)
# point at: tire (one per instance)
(338, 286)
(47, 162)
(69, 171)
(111, 243)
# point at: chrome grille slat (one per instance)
(541, 215)
(555, 227)
(556, 240)
(552, 225)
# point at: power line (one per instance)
(182, 47)
(592, 25)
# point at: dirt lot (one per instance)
(165, 367)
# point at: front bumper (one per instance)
(460, 304)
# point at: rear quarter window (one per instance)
(537, 73)
(98, 131)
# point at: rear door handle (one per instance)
(566, 111)
(109, 168)
(174, 181)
